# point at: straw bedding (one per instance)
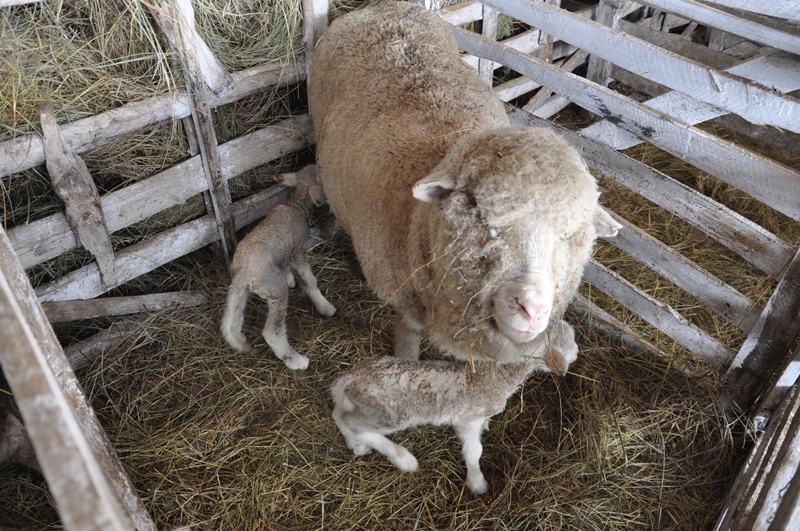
(213, 439)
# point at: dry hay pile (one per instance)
(215, 439)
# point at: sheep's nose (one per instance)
(534, 313)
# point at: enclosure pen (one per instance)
(141, 140)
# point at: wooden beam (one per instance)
(89, 485)
(27, 151)
(50, 237)
(160, 249)
(315, 22)
(65, 311)
(659, 315)
(749, 100)
(768, 181)
(73, 183)
(768, 343)
(787, 9)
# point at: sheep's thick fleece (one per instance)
(475, 231)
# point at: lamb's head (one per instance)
(517, 216)
(307, 181)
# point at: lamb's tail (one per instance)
(233, 318)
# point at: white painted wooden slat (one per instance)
(89, 485)
(169, 245)
(779, 71)
(50, 237)
(82, 135)
(788, 9)
(705, 287)
(766, 180)
(756, 245)
(716, 18)
(747, 99)
(658, 315)
(66, 311)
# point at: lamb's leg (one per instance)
(398, 455)
(233, 317)
(274, 332)
(406, 339)
(470, 435)
(290, 279)
(309, 284)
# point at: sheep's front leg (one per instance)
(470, 435)
(309, 284)
(406, 339)
(275, 333)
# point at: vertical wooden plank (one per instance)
(608, 14)
(89, 485)
(315, 22)
(768, 343)
(205, 78)
(488, 30)
(73, 183)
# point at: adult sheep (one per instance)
(474, 231)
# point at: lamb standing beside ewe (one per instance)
(264, 262)
(384, 395)
(475, 231)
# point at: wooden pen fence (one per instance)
(744, 76)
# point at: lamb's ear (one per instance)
(434, 188)
(317, 195)
(604, 225)
(289, 179)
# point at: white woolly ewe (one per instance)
(474, 231)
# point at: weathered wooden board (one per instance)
(47, 238)
(315, 22)
(169, 245)
(88, 483)
(768, 181)
(788, 9)
(659, 315)
(82, 353)
(768, 343)
(65, 311)
(73, 183)
(765, 491)
(705, 287)
(749, 100)
(779, 71)
(27, 151)
(756, 245)
(737, 25)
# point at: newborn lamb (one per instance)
(264, 262)
(387, 394)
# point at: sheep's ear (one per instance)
(434, 188)
(604, 225)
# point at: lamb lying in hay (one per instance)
(264, 263)
(475, 231)
(384, 395)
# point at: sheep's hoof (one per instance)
(296, 362)
(477, 485)
(360, 448)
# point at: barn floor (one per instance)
(217, 440)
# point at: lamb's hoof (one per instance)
(327, 309)
(405, 460)
(296, 362)
(477, 485)
(360, 449)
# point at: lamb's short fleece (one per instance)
(386, 394)
(264, 263)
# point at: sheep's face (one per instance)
(518, 213)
